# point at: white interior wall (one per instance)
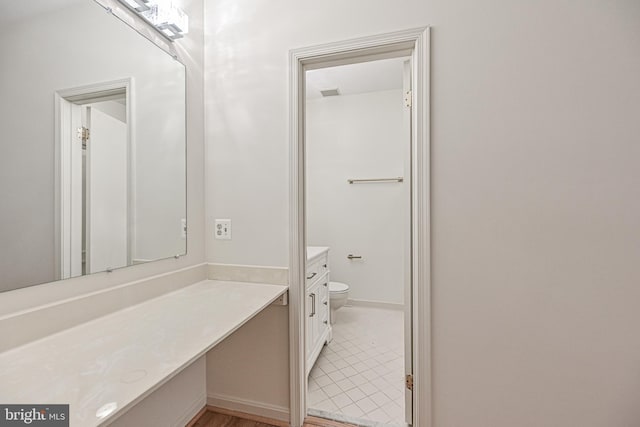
(172, 405)
(534, 189)
(359, 136)
(27, 111)
(248, 372)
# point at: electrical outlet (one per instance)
(183, 223)
(223, 229)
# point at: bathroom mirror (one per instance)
(92, 140)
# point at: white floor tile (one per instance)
(378, 415)
(370, 375)
(355, 394)
(342, 400)
(380, 383)
(328, 367)
(367, 405)
(360, 373)
(395, 411)
(324, 381)
(371, 363)
(332, 390)
(394, 378)
(336, 376)
(394, 394)
(358, 379)
(381, 370)
(316, 397)
(340, 364)
(352, 411)
(326, 405)
(313, 386)
(351, 359)
(345, 384)
(380, 398)
(359, 366)
(348, 371)
(368, 389)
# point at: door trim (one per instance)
(417, 42)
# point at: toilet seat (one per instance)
(338, 288)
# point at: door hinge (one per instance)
(83, 135)
(407, 98)
(409, 381)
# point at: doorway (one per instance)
(416, 384)
(358, 204)
(93, 181)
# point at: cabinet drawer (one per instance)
(323, 291)
(316, 269)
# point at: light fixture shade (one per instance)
(163, 15)
(137, 5)
(168, 18)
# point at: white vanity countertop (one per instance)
(121, 358)
(315, 251)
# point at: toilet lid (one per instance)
(338, 287)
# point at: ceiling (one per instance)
(373, 76)
(13, 11)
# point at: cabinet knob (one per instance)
(324, 284)
(325, 322)
(325, 303)
(324, 265)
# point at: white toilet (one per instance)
(338, 295)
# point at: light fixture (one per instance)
(137, 5)
(163, 15)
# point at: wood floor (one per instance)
(211, 418)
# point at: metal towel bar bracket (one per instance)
(356, 181)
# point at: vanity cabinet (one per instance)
(318, 327)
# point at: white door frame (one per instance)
(64, 133)
(416, 43)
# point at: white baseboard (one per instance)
(375, 304)
(249, 407)
(191, 412)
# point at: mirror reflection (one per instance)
(92, 163)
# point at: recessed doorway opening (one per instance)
(94, 205)
(358, 203)
(318, 347)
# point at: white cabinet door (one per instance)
(323, 308)
(317, 308)
(312, 324)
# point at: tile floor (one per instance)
(359, 376)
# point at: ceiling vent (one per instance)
(330, 92)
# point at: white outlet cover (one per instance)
(222, 229)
